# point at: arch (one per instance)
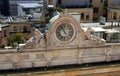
(64, 19)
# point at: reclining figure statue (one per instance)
(37, 41)
(93, 40)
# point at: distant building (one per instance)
(82, 7)
(73, 4)
(89, 9)
(99, 8)
(14, 5)
(4, 33)
(7, 29)
(32, 10)
(114, 10)
(24, 28)
(114, 13)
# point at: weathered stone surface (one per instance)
(4, 66)
(15, 60)
(41, 56)
(23, 65)
(63, 61)
(15, 57)
(93, 52)
(47, 50)
(39, 63)
(115, 50)
(94, 59)
(2, 58)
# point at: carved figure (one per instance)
(87, 33)
(36, 41)
(93, 40)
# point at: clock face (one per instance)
(64, 32)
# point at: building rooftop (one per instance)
(3, 25)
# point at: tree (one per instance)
(58, 9)
(15, 38)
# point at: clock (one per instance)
(64, 32)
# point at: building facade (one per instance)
(4, 33)
(99, 8)
(8, 29)
(114, 13)
(24, 28)
(114, 10)
(106, 8)
(82, 7)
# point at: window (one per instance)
(15, 28)
(5, 33)
(95, 10)
(59, 2)
(25, 29)
(50, 2)
(87, 16)
(114, 16)
(90, 1)
(82, 15)
(21, 29)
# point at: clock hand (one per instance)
(63, 30)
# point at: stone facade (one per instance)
(52, 57)
(48, 51)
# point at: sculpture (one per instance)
(36, 41)
(93, 40)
